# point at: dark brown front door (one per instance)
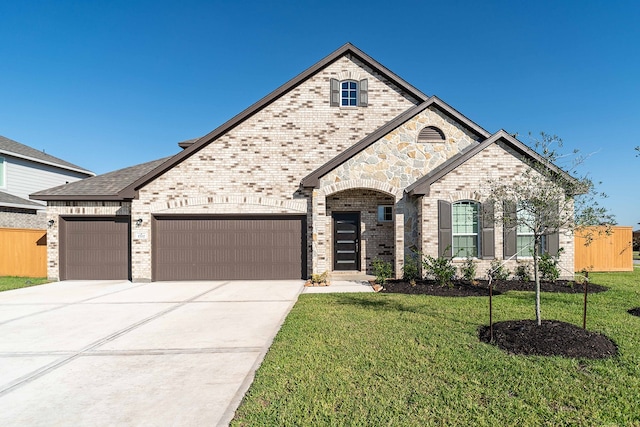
(346, 241)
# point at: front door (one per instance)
(346, 241)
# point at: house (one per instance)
(345, 163)
(24, 170)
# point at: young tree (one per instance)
(546, 200)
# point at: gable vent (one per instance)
(431, 134)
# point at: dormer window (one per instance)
(349, 93)
(431, 134)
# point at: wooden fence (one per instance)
(23, 252)
(611, 252)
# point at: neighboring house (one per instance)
(342, 164)
(24, 170)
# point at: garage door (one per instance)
(94, 248)
(213, 247)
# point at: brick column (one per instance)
(319, 237)
(399, 237)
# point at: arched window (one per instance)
(431, 134)
(465, 228)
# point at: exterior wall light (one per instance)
(50, 223)
(138, 222)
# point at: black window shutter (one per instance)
(335, 93)
(509, 230)
(487, 238)
(364, 93)
(445, 236)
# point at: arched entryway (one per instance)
(360, 228)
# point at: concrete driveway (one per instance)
(98, 353)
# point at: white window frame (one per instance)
(383, 211)
(454, 250)
(348, 98)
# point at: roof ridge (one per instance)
(421, 187)
(347, 48)
(19, 149)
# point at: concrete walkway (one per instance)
(340, 286)
(115, 353)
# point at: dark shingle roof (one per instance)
(10, 146)
(7, 199)
(101, 187)
(187, 143)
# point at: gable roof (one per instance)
(313, 179)
(422, 186)
(13, 148)
(191, 149)
(9, 200)
(102, 187)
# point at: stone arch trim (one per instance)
(297, 206)
(457, 196)
(349, 75)
(371, 184)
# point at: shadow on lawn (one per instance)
(381, 303)
(385, 304)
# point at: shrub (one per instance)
(548, 267)
(522, 272)
(468, 269)
(441, 269)
(410, 269)
(381, 269)
(498, 270)
(318, 279)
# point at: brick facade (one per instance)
(469, 182)
(376, 238)
(257, 165)
(56, 210)
(23, 218)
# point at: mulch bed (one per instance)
(634, 311)
(551, 338)
(462, 288)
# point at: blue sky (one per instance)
(109, 84)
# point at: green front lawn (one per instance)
(636, 255)
(8, 282)
(388, 359)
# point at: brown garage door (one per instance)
(94, 248)
(214, 247)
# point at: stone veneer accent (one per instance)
(469, 182)
(266, 156)
(57, 209)
(389, 165)
(398, 159)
